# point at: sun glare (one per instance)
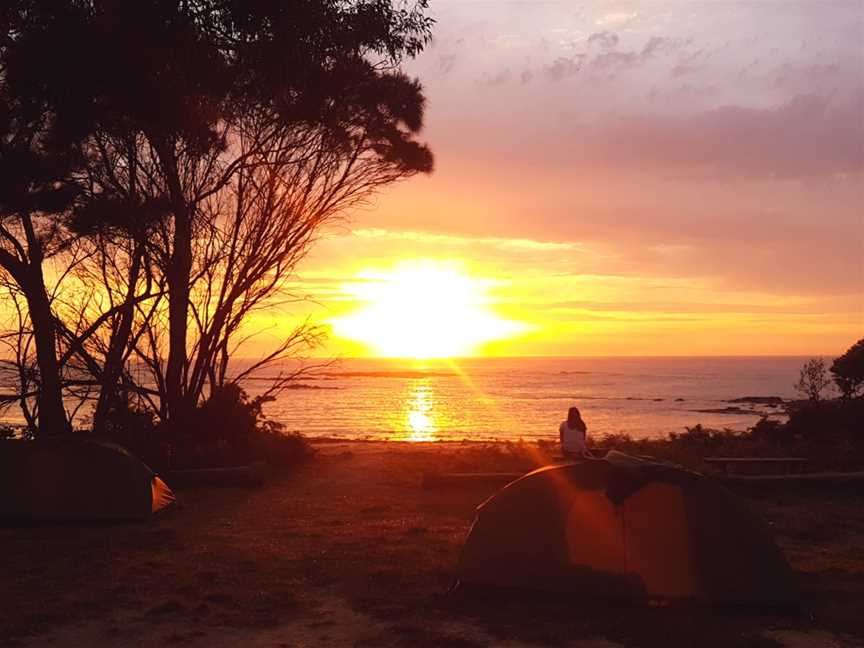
(426, 310)
(421, 425)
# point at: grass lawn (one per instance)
(353, 551)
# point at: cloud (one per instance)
(807, 136)
(610, 61)
(690, 63)
(511, 244)
(697, 127)
(605, 39)
(799, 307)
(446, 62)
(563, 68)
(615, 18)
(655, 44)
(498, 79)
(613, 60)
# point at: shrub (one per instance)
(128, 425)
(772, 431)
(828, 422)
(698, 435)
(230, 429)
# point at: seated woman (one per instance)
(573, 434)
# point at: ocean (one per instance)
(523, 398)
(527, 398)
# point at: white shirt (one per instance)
(572, 440)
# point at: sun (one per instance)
(422, 310)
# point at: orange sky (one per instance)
(613, 178)
(650, 178)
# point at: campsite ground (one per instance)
(353, 551)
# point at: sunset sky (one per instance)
(653, 178)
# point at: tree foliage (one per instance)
(848, 371)
(186, 154)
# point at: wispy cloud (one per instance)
(666, 171)
(809, 135)
(616, 18)
(605, 39)
(563, 68)
(453, 240)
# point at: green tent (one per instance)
(70, 479)
(625, 527)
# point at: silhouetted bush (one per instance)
(829, 434)
(700, 435)
(832, 421)
(772, 431)
(129, 425)
(686, 448)
(231, 429)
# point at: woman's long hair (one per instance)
(574, 418)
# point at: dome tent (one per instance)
(70, 479)
(625, 527)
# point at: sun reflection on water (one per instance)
(419, 421)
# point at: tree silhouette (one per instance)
(813, 379)
(35, 188)
(176, 109)
(848, 370)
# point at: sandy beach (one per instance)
(353, 551)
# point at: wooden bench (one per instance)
(782, 465)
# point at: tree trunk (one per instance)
(108, 394)
(178, 276)
(52, 415)
(27, 272)
(178, 308)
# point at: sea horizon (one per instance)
(511, 398)
(519, 397)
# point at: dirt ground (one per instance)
(351, 550)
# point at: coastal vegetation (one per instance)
(828, 432)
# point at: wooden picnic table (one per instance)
(785, 465)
